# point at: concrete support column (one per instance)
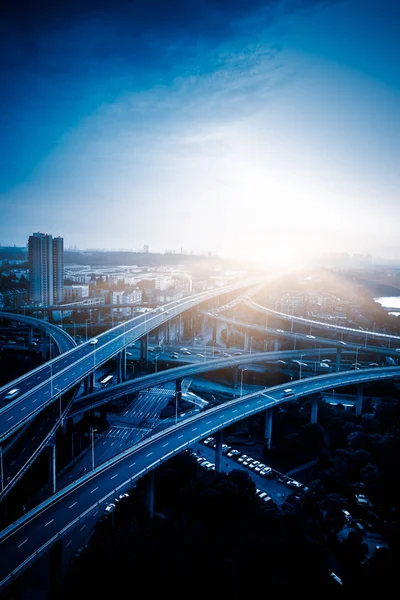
(91, 382)
(179, 329)
(314, 410)
(51, 451)
(218, 450)
(187, 330)
(178, 390)
(214, 334)
(144, 345)
(359, 399)
(235, 376)
(150, 496)
(265, 345)
(119, 367)
(123, 366)
(86, 384)
(246, 341)
(30, 335)
(338, 357)
(166, 333)
(268, 427)
(43, 345)
(228, 333)
(203, 327)
(276, 345)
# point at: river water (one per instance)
(390, 302)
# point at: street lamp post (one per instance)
(319, 358)
(357, 356)
(241, 381)
(59, 391)
(92, 430)
(86, 322)
(301, 364)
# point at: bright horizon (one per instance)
(251, 131)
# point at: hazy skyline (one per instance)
(244, 128)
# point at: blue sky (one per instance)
(254, 128)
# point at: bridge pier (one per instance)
(91, 382)
(178, 390)
(235, 377)
(43, 347)
(178, 336)
(246, 341)
(123, 358)
(30, 334)
(268, 428)
(276, 345)
(144, 349)
(338, 358)
(86, 384)
(150, 495)
(314, 410)
(214, 334)
(218, 450)
(359, 399)
(119, 367)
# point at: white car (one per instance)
(109, 508)
(11, 394)
(94, 341)
(254, 464)
(259, 467)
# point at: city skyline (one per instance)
(261, 130)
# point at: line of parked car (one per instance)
(255, 465)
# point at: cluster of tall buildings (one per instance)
(46, 269)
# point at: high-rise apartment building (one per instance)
(58, 269)
(46, 268)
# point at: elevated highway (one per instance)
(108, 394)
(63, 340)
(43, 385)
(312, 323)
(23, 542)
(307, 338)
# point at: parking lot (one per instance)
(276, 485)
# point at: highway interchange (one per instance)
(24, 540)
(36, 531)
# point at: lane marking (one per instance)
(94, 490)
(72, 504)
(22, 543)
(114, 476)
(49, 522)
